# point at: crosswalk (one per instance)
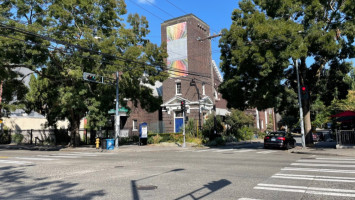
(231, 151)
(29, 160)
(319, 177)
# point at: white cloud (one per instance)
(146, 1)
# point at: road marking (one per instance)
(265, 152)
(4, 157)
(33, 158)
(202, 150)
(318, 170)
(328, 161)
(222, 150)
(314, 178)
(243, 150)
(14, 162)
(307, 190)
(322, 165)
(53, 156)
(335, 159)
(70, 154)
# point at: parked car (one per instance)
(315, 137)
(279, 139)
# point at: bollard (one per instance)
(97, 143)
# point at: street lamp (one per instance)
(300, 105)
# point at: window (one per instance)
(135, 125)
(203, 89)
(178, 88)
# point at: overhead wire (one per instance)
(110, 63)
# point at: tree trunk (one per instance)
(307, 122)
(74, 132)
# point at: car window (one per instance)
(277, 134)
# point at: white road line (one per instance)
(14, 162)
(318, 170)
(243, 150)
(322, 165)
(265, 152)
(313, 179)
(203, 150)
(70, 154)
(222, 150)
(315, 176)
(50, 156)
(307, 190)
(327, 161)
(33, 158)
(335, 159)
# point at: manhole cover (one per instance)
(147, 187)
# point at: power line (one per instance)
(176, 6)
(107, 62)
(159, 8)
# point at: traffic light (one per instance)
(183, 105)
(91, 77)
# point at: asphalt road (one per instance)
(245, 172)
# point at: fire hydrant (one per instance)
(97, 143)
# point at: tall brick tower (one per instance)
(190, 66)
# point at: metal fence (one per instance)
(345, 137)
(60, 136)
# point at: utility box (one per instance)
(143, 134)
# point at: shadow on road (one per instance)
(212, 187)
(15, 184)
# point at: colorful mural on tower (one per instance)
(177, 49)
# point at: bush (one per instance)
(17, 138)
(208, 127)
(176, 137)
(245, 133)
(5, 138)
(219, 141)
(61, 136)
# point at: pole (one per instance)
(300, 105)
(117, 116)
(183, 127)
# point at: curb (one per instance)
(317, 153)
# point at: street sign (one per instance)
(93, 77)
(122, 109)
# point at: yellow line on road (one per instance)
(4, 157)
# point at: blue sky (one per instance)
(217, 14)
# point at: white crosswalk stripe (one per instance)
(14, 162)
(324, 170)
(44, 158)
(265, 152)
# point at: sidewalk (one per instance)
(324, 148)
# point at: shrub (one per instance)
(17, 138)
(245, 133)
(176, 137)
(61, 136)
(219, 141)
(208, 127)
(5, 138)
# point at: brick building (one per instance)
(194, 77)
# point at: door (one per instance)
(178, 124)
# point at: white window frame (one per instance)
(134, 125)
(203, 89)
(176, 88)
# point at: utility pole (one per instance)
(117, 116)
(212, 78)
(300, 105)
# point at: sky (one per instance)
(217, 14)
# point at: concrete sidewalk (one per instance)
(324, 148)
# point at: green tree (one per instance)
(212, 123)
(236, 120)
(267, 38)
(90, 36)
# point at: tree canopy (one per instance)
(266, 39)
(65, 39)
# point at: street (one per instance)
(239, 172)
